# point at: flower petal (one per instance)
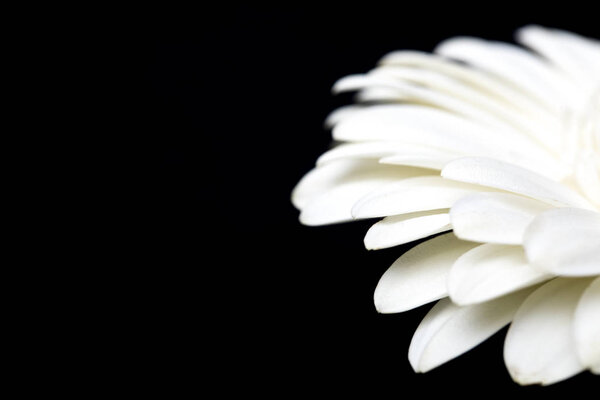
(518, 67)
(488, 83)
(428, 127)
(412, 195)
(565, 241)
(489, 271)
(421, 95)
(419, 276)
(588, 176)
(459, 89)
(586, 326)
(416, 124)
(400, 229)
(539, 346)
(380, 149)
(449, 330)
(501, 175)
(566, 52)
(494, 217)
(331, 175)
(379, 94)
(436, 162)
(340, 114)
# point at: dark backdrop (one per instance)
(227, 118)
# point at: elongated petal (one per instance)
(378, 150)
(459, 89)
(565, 241)
(489, 271)
(412, 195)
(449, 330)
(501, 175)
(421, 94)
(335, 205)
(436, 162)
(488, 83)
(562, 51)
(413, 124)
(428, 127)
(379, 95)
(340, 114)
(586, 326)
(539, 346)
(494, 217)
(587, 175)
(419, 276)
(400, 229)
(517, 66)
(326, 177)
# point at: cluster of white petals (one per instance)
(493, 150)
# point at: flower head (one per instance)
(493, 150)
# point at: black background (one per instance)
(227, 115)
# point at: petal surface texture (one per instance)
(586, 326)
(565, 241)
(448, 330)
(501, 175)
(489, 271)
(400, 229)
(412, 195)
(540, 347)
(419, 276)
(494, 217)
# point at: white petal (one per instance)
(586, 326)
(565, 241)
(422, 160)
(563, 51)
(412, 195)
(400, 229)
(588, 48)
(379, 94)
(326, 177)
(441, 82)
(378, 149)
(518, 67)
(335, 205)
(539, 346)
(419, 276)
(428, 127)
(422, 95)
(340, 114)
(485, 82)
(494, 217)
(413, 124)
(359, 150)
(588, 177)
(489, 271)
(448, 330)
(501, 175)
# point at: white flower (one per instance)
(498, 147)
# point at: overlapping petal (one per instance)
(501, 145)
(539, 346)
(565, 241)
(419, 276)
(449, 330)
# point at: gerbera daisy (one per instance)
(493, 150)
